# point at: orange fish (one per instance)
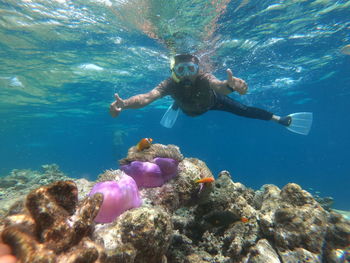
(205, 180)
(145, 143)
(244, 219)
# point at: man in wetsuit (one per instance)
(196, 92)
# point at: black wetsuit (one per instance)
(200, 97)
(225, 103)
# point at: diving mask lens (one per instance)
(186, 69)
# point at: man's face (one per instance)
(188, 80)
(187, 72)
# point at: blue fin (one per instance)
(169, 118)
(301, 122)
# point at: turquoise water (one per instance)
(61, 62)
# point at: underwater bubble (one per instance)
(90, 67)
(15, 82)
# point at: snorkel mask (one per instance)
(186, 69)
(184, 65)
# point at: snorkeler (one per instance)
(196, 92)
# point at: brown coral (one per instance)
(156, 150)
(20, 182)
(141, 235)
(182, 190)
(53, 227)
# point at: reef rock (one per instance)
(140, 235)
(182, 190)
(237, 224)
(53, 227)
(215, 224)
(19, 183)
(262, 252)
(294, 220)
(224, 222)
(156, 150)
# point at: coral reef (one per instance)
(20, 182)
(140, 235)
(153, 166)
(182, 190)
(225, 222)
(156, 150)
(53, 227)
(285, 225)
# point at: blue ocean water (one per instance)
(61, 62)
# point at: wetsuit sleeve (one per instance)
(164, 87)
(141, 100)
(210, 77)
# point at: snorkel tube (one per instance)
(173, 75)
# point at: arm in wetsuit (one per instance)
(137, 101)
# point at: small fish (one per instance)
(145, 143)
(205, 180)
(244, 219)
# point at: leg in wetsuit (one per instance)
(225, 103)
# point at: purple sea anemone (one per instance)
(151, 174)
(118, 196)
(167, 166)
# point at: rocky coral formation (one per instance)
(226, 222)
(285, 225)
(182, 190)
(156, 150)
(140, 235)
(20, 182)
(53, 227)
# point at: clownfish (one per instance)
(145, 143)
(205, 180)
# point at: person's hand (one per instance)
(5, 254)
(116, 107)
(237, 84)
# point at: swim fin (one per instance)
(299, 122)
(169, 118)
